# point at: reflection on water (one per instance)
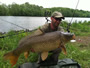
(26, 22)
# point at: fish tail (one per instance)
(13, 58)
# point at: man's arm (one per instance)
(60, 28)
(37, 32)
(44, 28)
(41, 30)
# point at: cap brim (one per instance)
(63, 17)
(59, 17)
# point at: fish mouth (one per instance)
(73, 39)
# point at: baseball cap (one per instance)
(57, 14)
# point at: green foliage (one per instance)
(27, 9)
(21, 10)
(81, 56)
(9, 43)
(4, 10)
(79, 28)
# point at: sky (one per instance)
(83, 4)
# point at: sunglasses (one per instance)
(58, 19)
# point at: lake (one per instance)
(24, 22)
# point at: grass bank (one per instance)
(79, 51)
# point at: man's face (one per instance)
(56, 21)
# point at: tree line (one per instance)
(27, 9)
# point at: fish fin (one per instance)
(64, 49)
(26, 54)
(13, 58)
(44, 55)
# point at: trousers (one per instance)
(52, 59)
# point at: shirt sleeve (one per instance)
(44, 27)
(60, 28)
(37, 32)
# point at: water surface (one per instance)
(27, 22)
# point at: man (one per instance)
(56, 19)
(52, 59)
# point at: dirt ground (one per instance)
(83, 40)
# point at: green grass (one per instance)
(79, 28)
(75, 51)
(82, 56)
(10, 43)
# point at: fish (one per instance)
(40, 43)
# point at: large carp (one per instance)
(40, 44)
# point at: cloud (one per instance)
(83, 4)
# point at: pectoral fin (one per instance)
(64, 49)
(26, 54)
(44, 55)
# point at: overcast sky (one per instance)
(83, 4)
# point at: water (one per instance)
(27, 22)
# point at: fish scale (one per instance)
(43, 46)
